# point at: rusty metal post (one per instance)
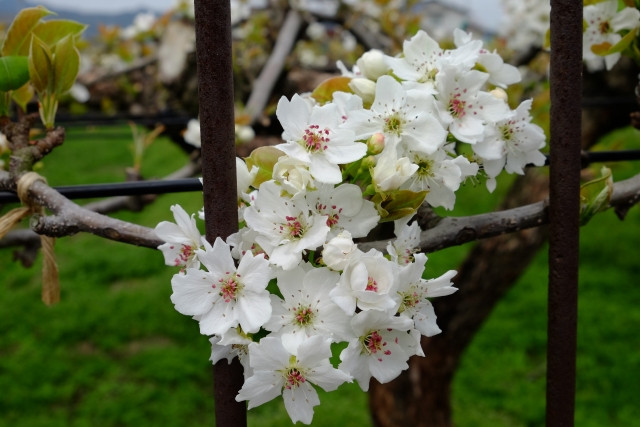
(564, 208)
(215, 95)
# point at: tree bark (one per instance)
(421, 396)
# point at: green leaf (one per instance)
(606, 48)
(66, 65)
(595, 196)
(547, 39)
(324, 92)
(40, 65)
(14, 72)
(399, 204)
(23, 95)
(51, 32)
(264, 158)
(624, 43)
(19, 34)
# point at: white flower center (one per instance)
(410, 299)
(394, 124)
(185, 254)
(333, 215)
(372, 343)
(429, 74)
(294, 228)
(229, 287)
(457, 106)
(303, 316)
(315, 139)
(372, 285)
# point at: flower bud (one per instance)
(372, 64)
(364, 88)
(368, 162)
(338, 251)
(293, 175)
(390, 172)
(500, 94)
(244, 133)
(375, 144)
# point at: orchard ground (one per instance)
(114, 352)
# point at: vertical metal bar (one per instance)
(215, 94)
(564, 206)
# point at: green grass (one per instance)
(114, 352)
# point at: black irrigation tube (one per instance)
(140, 188)
(137, 188)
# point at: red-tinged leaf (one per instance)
(324, 92)
(264, 158)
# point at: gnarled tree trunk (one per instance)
(421, 395)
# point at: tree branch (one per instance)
(69, 218)
(454, 231)
(263, 85)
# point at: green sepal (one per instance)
(595, 196)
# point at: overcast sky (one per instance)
(486, 12)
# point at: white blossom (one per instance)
(306, 310)
(390, 172)
(414, 291)
(345, 209)
(346, 102)
(234, 343)
(420, 61)
(338, 251)
(244, 179)
(381, 349)
(293, 175)
(500, 74)
(182, 239)
(245, 240)
(402, 117)
(440, 175)
(286, 224)
(368, 282)
(464, 107)
(224, 296)
(406, 244)
(511, 144)
(277, 372)
(313, 137)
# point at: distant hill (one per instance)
(9, 9)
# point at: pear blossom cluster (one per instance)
(292, 282)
